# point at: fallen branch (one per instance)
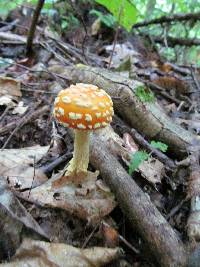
(144, 217)
(172, 41)
(169, 19)
(147, 118)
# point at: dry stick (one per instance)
(30, 116)
(172, 41)
(144, 217)
(169, 19)
(155, 152)
(33, 26)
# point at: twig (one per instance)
(155, 152)
(169, 19)
(135, 250)
(172, 41)
(90, 236)
(51, 166)
(33, 26)
(28, 117)
(33, 177)
(9, 26)
(176, 209)
(12, 37)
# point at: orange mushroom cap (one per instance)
(83, 106)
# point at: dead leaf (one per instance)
(43, 254)
(152, 170)
(17, 166)
(96, 26)
(129, 143)
(87, 201)
(13, 208)
(10, 87)
(20, 108)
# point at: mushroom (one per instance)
(85, 108)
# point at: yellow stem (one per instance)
(79, 162)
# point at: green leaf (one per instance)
(137, 158)
(159, 145)
(144, 94)
(64, 24)
(124, 11)
(108, 19)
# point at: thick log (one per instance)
(144, 217)
(147, 118)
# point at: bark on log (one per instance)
(147, 118)
(169, 19)
(144, 217)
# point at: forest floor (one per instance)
(35, 149)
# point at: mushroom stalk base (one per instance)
(79, 162)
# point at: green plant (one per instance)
(141, 155)
(7, 6)
(107, 19)
(124, 11)
(137, 158)
(144, 94)
(159, 145)
(69, 21)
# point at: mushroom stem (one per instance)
(79, 162)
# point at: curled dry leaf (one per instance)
(17, 166)
(9, 86)
(43, 254)
(89, 201)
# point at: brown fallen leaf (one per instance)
(10, 87)
(43, 254)
(88, 201)
(17, 166)
(11, 207)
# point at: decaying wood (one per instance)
(144, 217)
(193, 227)
(147, 118)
